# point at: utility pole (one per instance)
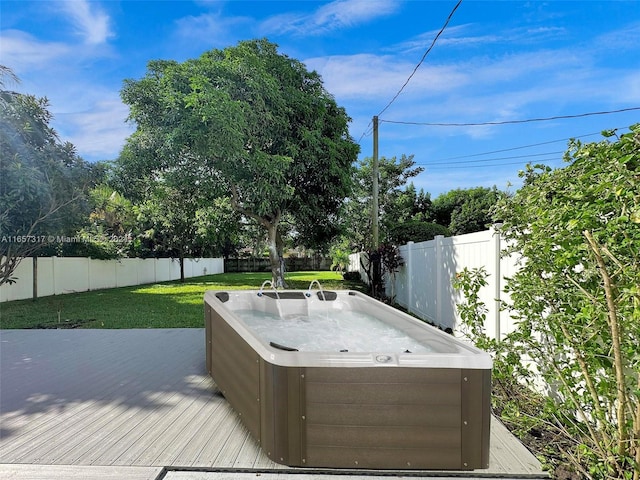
(374, 209)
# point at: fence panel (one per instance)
(471, 251)
(46, 283)
(70, 275)
(126, 272)
(509, 265)
(102, 274)
(145, 269)
(60, 275)
(292, 264)
(22, 289)
(423, 285)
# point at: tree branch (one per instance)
(615, 338)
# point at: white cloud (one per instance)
(208, 29)
(90, 21)
(85, 113)
(632, 81)
(621, 40)
(456, 36)
(478, 88)
(464, 36)
(332, 16)
(99, 132)
(351, 12)
(21, 51)
(368, 76)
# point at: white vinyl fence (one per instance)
(423, 285)
(59, 275)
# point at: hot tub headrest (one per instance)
(327, 295)
(222, 296)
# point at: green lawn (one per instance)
(162, 305)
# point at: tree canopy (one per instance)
(254, 123)
(398, 202)
(466, 210)
(42, 180)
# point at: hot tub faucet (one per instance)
(308, 294)
(269, 282)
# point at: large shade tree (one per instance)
(256, 120)
(42, 180)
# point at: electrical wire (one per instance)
(507, 122)
(430, 164)
(485, 166)
(366, 132)
(423, 58)
(519, 148)
(447, 160)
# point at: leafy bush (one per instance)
(416, 231)
(466, 210)
(577, 297)
(339, 253)
(513, 399)
(385, 259)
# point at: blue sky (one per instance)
(500, 61)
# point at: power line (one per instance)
(446, 159)
(443, 167)
(519, 148)
(506, 122)
(366, 132)
(491, 159)
(423, 57)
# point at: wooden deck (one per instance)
(139, 399)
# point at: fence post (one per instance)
(53, 275)
(439, 278)
(409, 280)
(497, 249)
(88, 260)
(35, 276)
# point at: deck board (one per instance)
(139, 398)
(78, 472)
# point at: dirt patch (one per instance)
(64, 324)
(547, 444)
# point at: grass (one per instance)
(161, 305)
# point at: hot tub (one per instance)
(393, 393)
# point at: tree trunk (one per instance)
(275, 244)
(276, 256)
(181, 266)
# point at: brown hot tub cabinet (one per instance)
(349, 409)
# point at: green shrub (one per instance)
(577, 297)
(416, 231)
